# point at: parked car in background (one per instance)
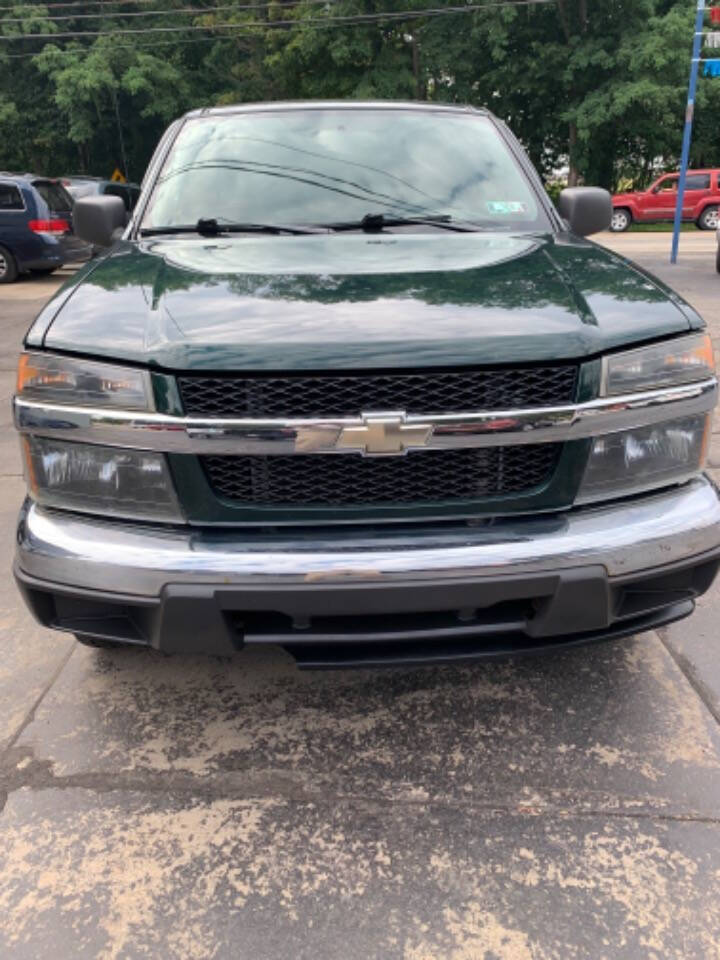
(398, 410)
(700, 203)
(36, 226)
(83, 186)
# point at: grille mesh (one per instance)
(350, 394)
(345, 480)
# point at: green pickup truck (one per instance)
(347, 382)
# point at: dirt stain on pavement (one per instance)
(124, 875)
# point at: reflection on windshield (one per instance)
(319, 166)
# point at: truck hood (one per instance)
(358, 300)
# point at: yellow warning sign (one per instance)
(118, 177)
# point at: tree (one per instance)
(598, 87)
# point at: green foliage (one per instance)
(596, 84)
(554, 189)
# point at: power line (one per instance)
(74, 3)
(156, 13)
(385, 15)
(69, 51)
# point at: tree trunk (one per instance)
(419, 88)
(583, 16)
(564, 21)
(573, 174)
(569, 30)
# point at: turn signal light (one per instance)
(48, 378)
(666, 364)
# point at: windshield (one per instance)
(321, 166)
(82, 189)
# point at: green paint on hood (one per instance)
(388, 300)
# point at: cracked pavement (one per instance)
(558, 807)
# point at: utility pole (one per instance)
(687, 133)
(120, 133)
(121, 139)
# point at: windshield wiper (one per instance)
(370, 223)
(375, 222)
(211, 228)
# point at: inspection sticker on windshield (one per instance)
(505, 207)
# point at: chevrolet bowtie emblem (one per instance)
(384, 434)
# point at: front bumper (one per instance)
(385, 595)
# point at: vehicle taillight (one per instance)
(49, 226)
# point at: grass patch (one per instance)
(665, 228)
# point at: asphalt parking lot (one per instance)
(560, 807)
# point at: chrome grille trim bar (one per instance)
(198, 435)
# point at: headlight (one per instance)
(669, 363)
(56, 379)
(106, 480)
(645, 458)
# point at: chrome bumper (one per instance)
(624, 538)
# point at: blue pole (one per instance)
(690, 110)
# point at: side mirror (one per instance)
(587, 209)
(99, 219)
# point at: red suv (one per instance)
(701, 201)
